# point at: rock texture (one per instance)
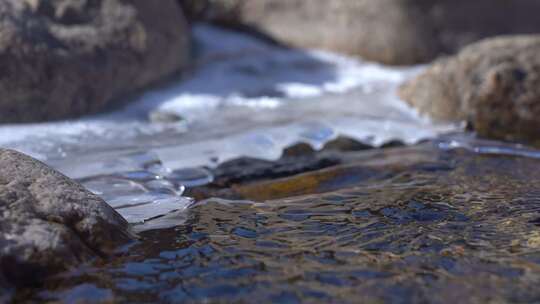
(48, 222)
(494, 85)
(64, 58)
(389, 31)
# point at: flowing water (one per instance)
(448, 226)
(244, 97)
(453, 218)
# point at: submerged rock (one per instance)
(259, 180)
(494, 85)
(389, 31)
(65, 58)
(299, 158)
(248, 170)
(49, 223)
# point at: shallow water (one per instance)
(454, 219)
(451, 226)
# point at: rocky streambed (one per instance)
(274, 175)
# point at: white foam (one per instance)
(234, 72)
(244, 98)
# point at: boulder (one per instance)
(389, 31)
(494, 85)
(65, 58)
(49, 223)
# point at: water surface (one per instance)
(453, 219)
(454, 226)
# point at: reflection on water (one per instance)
(461, 227)
(458, 221)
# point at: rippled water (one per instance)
(454, 219)
(449, 226)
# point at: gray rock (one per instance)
(159, 116)
(49, 223)
(493, 84)
(65, 58)
(388, 31)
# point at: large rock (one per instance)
(49, 223)
(389, 31)
(494, 85)
(64, 58)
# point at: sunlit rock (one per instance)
(493, 85)
(389, 31)
(49, 223)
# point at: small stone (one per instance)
(164, 117)
(298, 149)
(343, 144)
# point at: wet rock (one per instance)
(222, 10)
(65, 58)
(260, 180)
(49, 223)
(343, 143)
(339, 144)
(393, 144)
(164, 117)
(494, 85)
(389, 31)
(249, 170)
(299, 149)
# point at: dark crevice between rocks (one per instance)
(69, 13)
(84, 240)
(200, 11)
(22, 275)
(535, 222)
(250, 170)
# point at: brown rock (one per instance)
(388, 31)
(494, 85)
(64, 58)
(49, 223)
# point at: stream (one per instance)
(423, 213)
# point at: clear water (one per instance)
(450, 226)
(452, 220)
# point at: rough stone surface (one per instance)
(65, 58)
(494, 85)
(48, 222)
(389, 31)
